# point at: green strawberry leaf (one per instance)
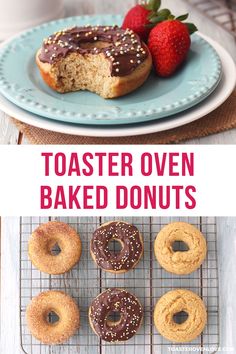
(151, 15)
(156, 16)
(150, 25)
(153, 5)
(182, 17)
(164, 13)
(191, 27)
(161, 16)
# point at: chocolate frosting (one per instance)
(132, 246)
(131, 314)
(124, 49)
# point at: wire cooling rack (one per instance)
(148, 281)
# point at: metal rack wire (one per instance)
(148, 282)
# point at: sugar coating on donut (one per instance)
(123, 302)
(64, 307)
(42, 241)
(131, 241)
(174, 302)
(180, 262)
(106, 60)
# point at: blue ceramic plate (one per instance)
(21, 83)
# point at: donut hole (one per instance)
(55, 250)
(113, 318)
(95, 44)
(52, 318)
(179, 246)
(115, 246)
(180, 317)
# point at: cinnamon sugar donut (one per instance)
(107, 60)
(131, 242)
(122, 302)
(180, 262)
(42, 241)
(175, 302)
(63, 306)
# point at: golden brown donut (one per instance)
(131, 242)
(107, 60)
(174, 302)
(63, 306)
(44, 238)
(115, 300)
(180, 262)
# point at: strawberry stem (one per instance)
(156, 15)
(153, 5)
(161, 16)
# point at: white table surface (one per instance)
(10, 334)
(10, 135)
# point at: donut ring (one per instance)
(174, 302)
(115, 300)
(180, 262)
(44, 238)
(107, 60)
(63, 306)
(130, 239)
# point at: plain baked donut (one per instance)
(107, 60)
(42, 241)
(115, 300)
(131, 242)
(63, 306)
(180, 262)
(174, 302)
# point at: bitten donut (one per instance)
(180, 262)
(63, 306)
(131, 242)
(115, 300)
(106, 60)
(174, 302)
(42, 241)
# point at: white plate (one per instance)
(219, 96)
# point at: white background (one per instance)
(22, 173)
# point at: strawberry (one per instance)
(138, 18)
(169, 43)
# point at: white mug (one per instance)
(16, 15)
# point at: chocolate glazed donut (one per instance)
(130, 239)
(123, 48)
(115, 300)
(107, 60)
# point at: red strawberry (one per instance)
(138, 18)
(169, 43)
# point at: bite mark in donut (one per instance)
(131, 241)
(123, 302)
(106, 60)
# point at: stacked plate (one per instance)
(204, 82)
